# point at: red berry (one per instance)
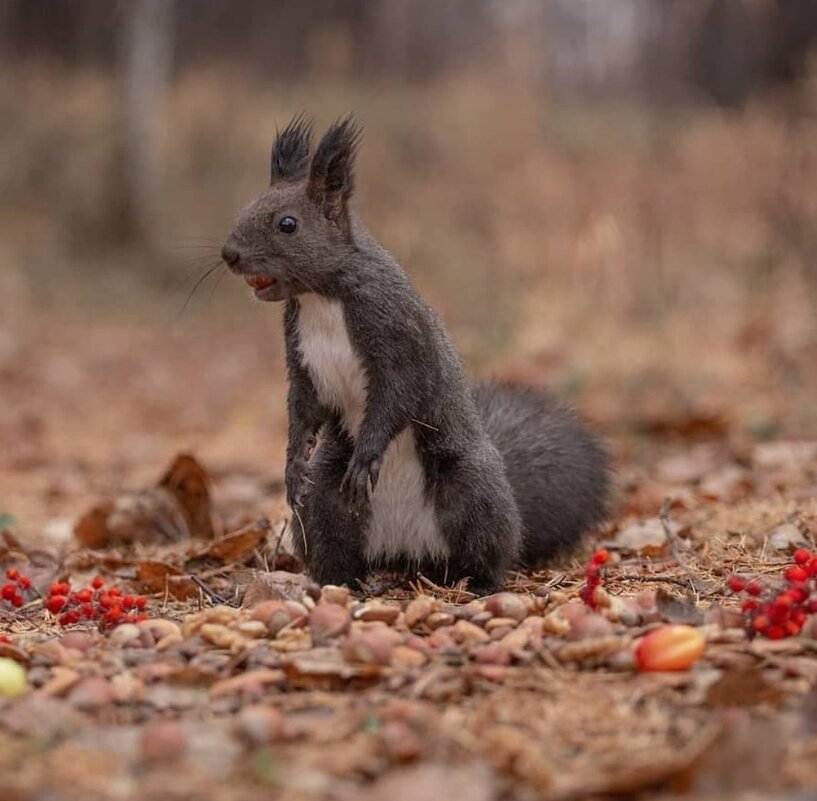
(795, 574)
(801, 556)
(736, 583)
(17, 600)
(105, 601)
(12, 574)
(114, 613)
(601, 556)
(114, 591)
(140, 601)
(793, 628)
(761, 623)
(24, 582)
(799, 594)
(754, 588)
(750, 605)
(55, 603)
(127, 602)
(59, 588)
(811, 567)
(811, 607)
(776, 632)
(8, 592)
(787, 598)
(98, 583)
(4, 639)
(84, 596)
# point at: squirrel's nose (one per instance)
(230, 255)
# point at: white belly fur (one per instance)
(403, 522)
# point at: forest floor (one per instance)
(246, 681)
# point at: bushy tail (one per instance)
(559, 472)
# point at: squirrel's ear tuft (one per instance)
(290, 153)
(331, 177)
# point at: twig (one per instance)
(211, 594)
(278, 546)
(672, 542)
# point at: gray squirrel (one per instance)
(393, 461)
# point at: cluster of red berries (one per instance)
(594, 577)
(107, 605)
(784, 613)
(16, 589)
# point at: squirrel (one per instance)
(393, 461)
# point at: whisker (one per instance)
(214, 287)
(198, 283)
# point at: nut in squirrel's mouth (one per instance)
(258, 282)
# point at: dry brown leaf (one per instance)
(646, 537)
(177, 509)
(161, 577)
(189, 484)
(235, 547)
(677, 609)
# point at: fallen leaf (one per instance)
(177, 509)
(235, 547)
(786, 537)
(677, 609)
(189, 484)
(156, 576)
(646, 537)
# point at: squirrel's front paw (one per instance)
(360, 481)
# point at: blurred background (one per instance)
(613, 198)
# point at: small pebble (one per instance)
(437, 620)
(332, 594)
(162, 742)
(327, 622)
(373, 647)
(125, 633)
(418, 610)
(466, 633)
(500, 623)
(507, 604)
(91, 695)
(401, 743)
(592, 625)
(260, 724)
(441, 638)
(254, 629)
(383, 613)
(492, 654)
(407, 656)
(77, 640)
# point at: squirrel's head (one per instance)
(289, 240)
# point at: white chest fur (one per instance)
(403, 522)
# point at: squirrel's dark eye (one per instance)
(287, 225)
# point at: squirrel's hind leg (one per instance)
(479, 521)
(326, 535)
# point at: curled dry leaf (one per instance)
(176, 509)
(646, 537)
(236, 546)
(160, 577)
